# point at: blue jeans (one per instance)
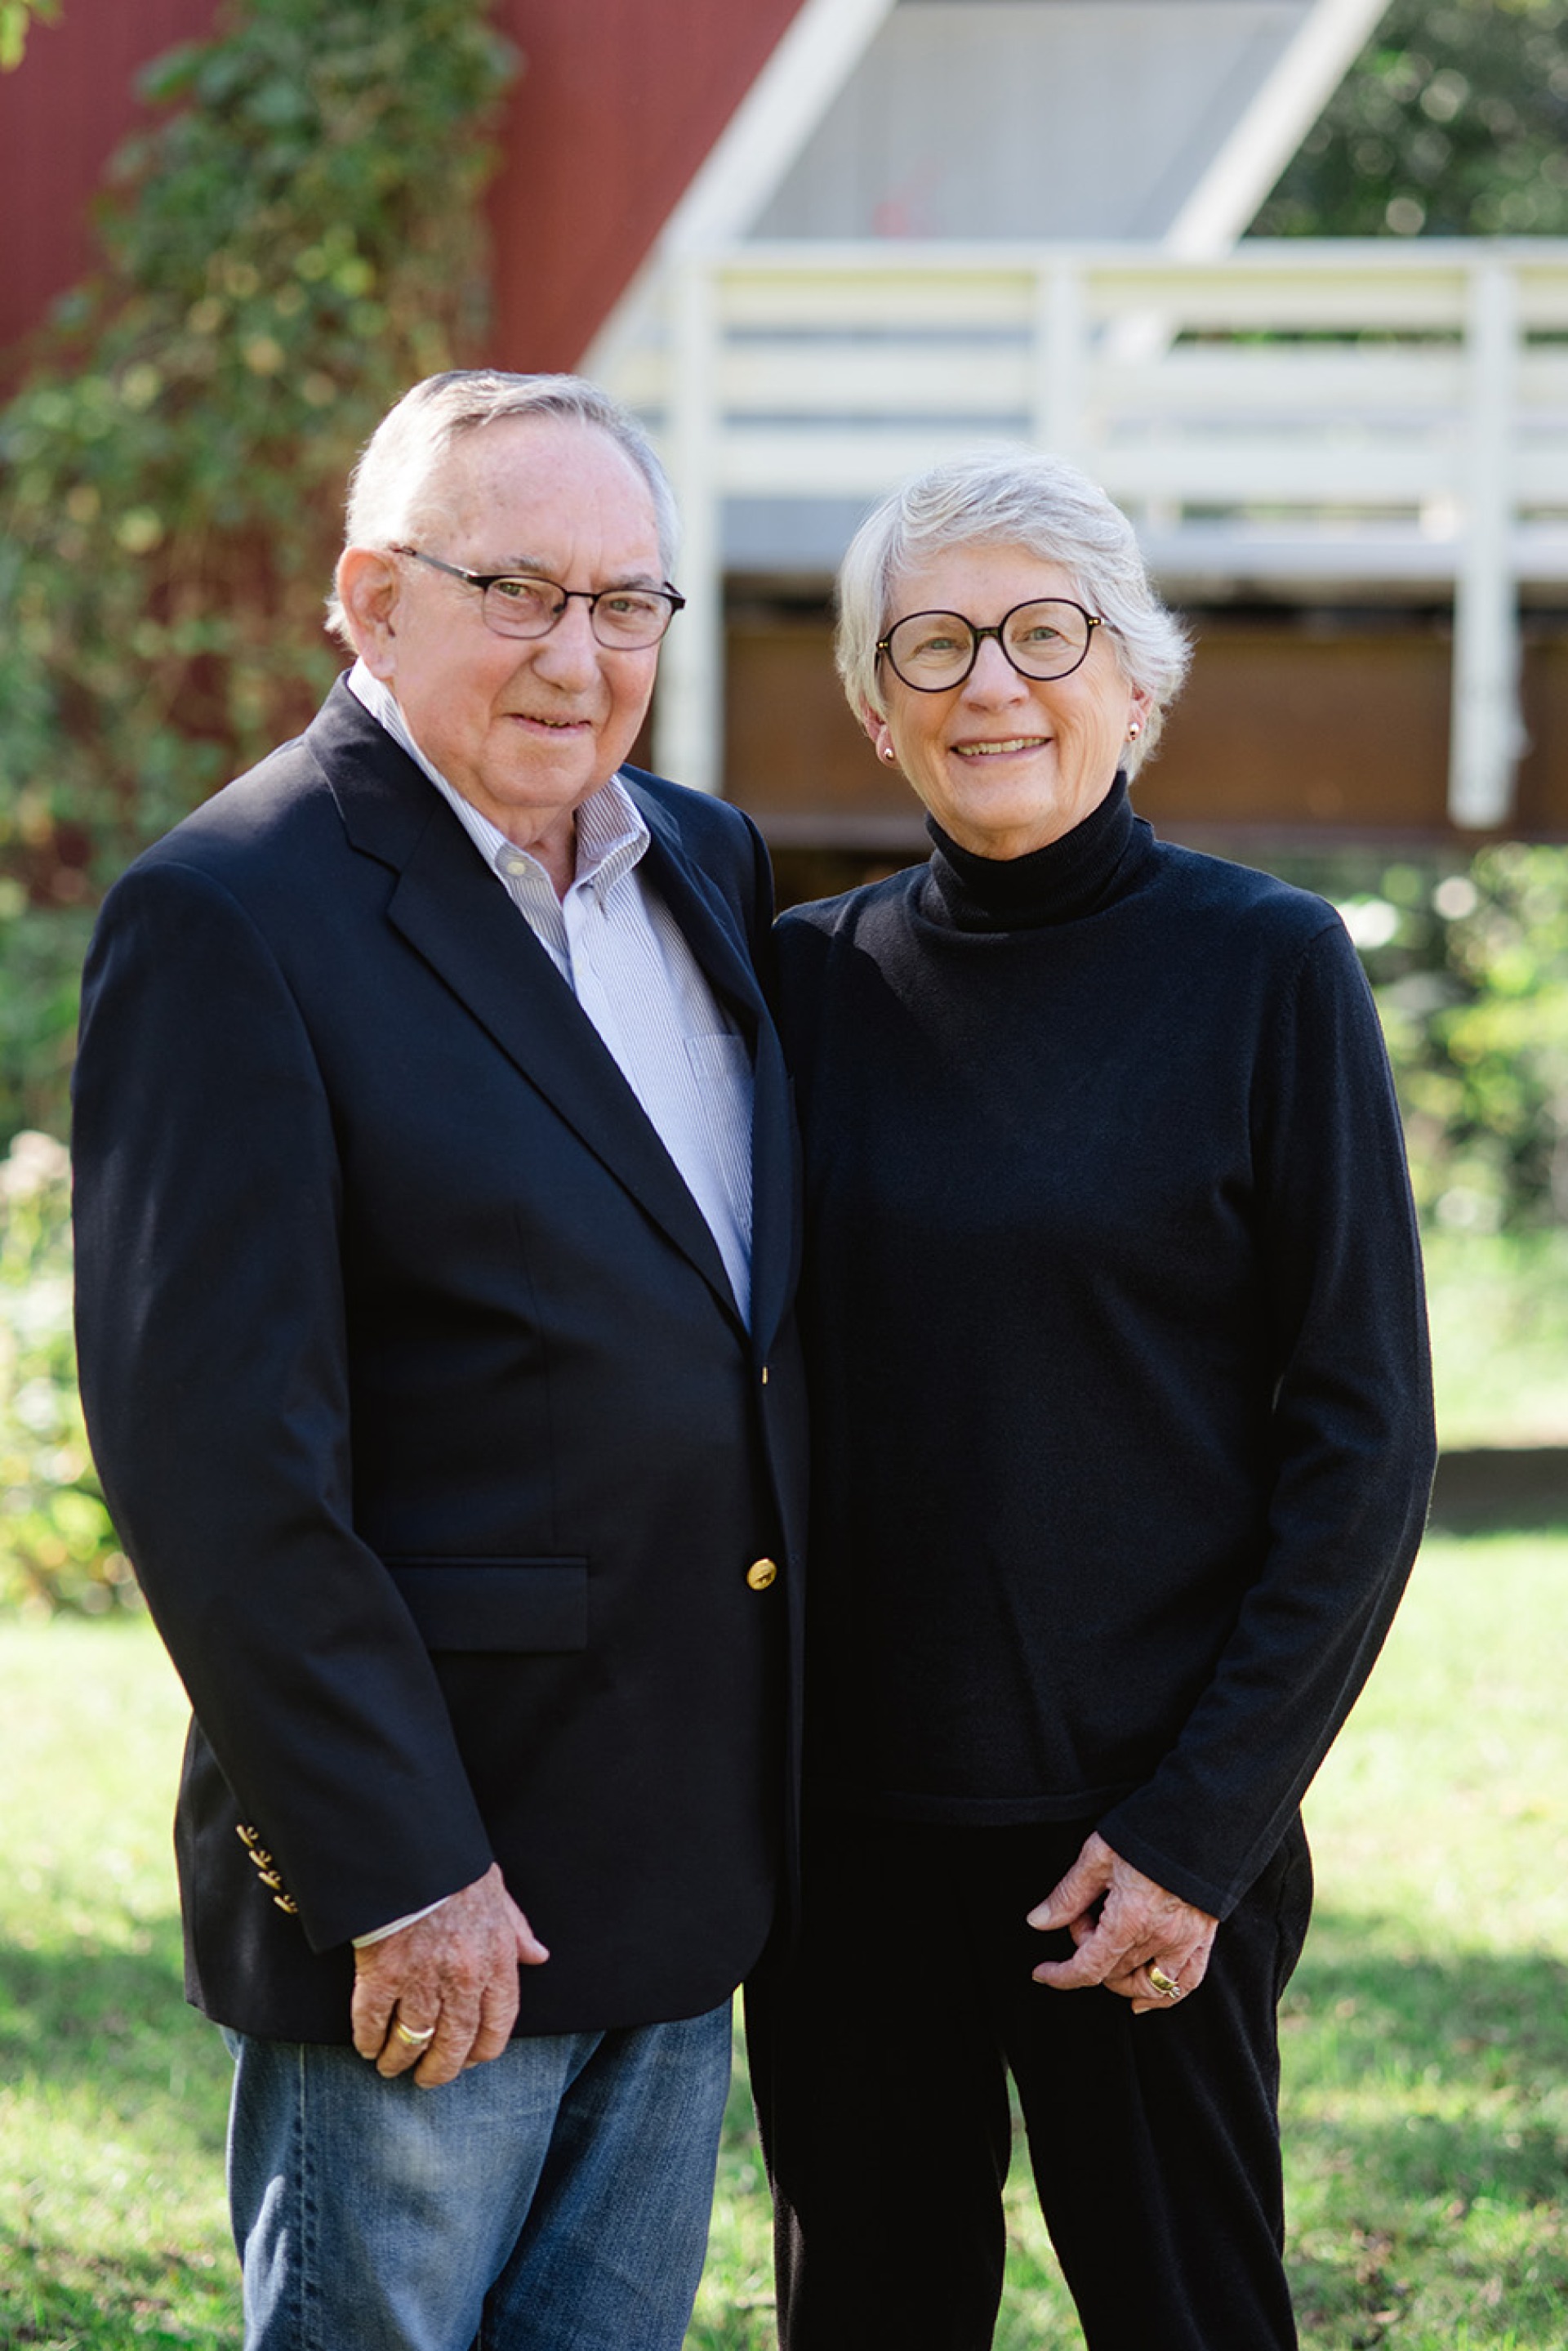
(558, 2196)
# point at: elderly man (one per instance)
(435, 1238)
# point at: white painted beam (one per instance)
(1244, 169)
(818, 51)
(687, 720)
(1486, 733)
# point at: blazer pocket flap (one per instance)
(497, 1604)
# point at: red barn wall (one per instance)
(62, 114)
(618, 102)
(621, 102)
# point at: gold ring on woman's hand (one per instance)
(410, 2037)
(1167, 1986)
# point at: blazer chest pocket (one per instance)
(539, 1604)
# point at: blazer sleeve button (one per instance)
(760, 1574)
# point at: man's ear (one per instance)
(367, 590)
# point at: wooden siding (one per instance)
(1311, 725)
(618, 104)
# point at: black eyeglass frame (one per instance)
(485, 580)
(1036, 677)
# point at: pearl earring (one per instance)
(1134, 731)
(887, 752)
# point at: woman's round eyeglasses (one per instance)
(935, 651)
(627, 620)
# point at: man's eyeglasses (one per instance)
(935, 651)
(626, 620)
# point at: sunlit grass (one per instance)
(112, 2094)
(1499, 1306)
(1426, 2034)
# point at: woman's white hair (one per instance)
(394, 497)
(1011, 498)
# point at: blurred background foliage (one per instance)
(15, 15)
(56, 1548)
(1471, 978)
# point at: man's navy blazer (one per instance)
(422, 1404)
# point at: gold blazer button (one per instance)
(760, 1574)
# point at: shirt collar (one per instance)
(611, 833)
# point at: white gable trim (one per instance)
(816, 55)
(1311, 68)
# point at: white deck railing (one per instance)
(1295, 413)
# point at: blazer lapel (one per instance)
(710, 925)
(460, 920)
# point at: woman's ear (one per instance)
(368, 585)
(880, 733)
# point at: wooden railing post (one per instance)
(1486, 733)
(688, 712)
(1060, 357)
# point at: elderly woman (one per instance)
(1123, 1443)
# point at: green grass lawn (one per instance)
(1499, 1304)
(1426, 2034)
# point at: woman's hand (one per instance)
(1131, 1935)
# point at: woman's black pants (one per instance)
(879, 2052)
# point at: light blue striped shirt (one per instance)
(628, 963)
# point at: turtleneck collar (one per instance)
(1067, 878)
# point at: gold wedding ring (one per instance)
(1167, 1986)
(410, 2039)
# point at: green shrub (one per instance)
(1471, 972)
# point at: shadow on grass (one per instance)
(113, 2025)
(102, 2304)
(1426, 2120)
(115, 2098)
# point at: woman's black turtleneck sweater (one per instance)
(1122, 1419)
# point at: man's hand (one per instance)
(1131, 1935)
(456, 1969)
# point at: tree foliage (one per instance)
(295, 241)
(1471, 978)
(1453, 122)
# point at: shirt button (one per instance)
(760, 1574)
